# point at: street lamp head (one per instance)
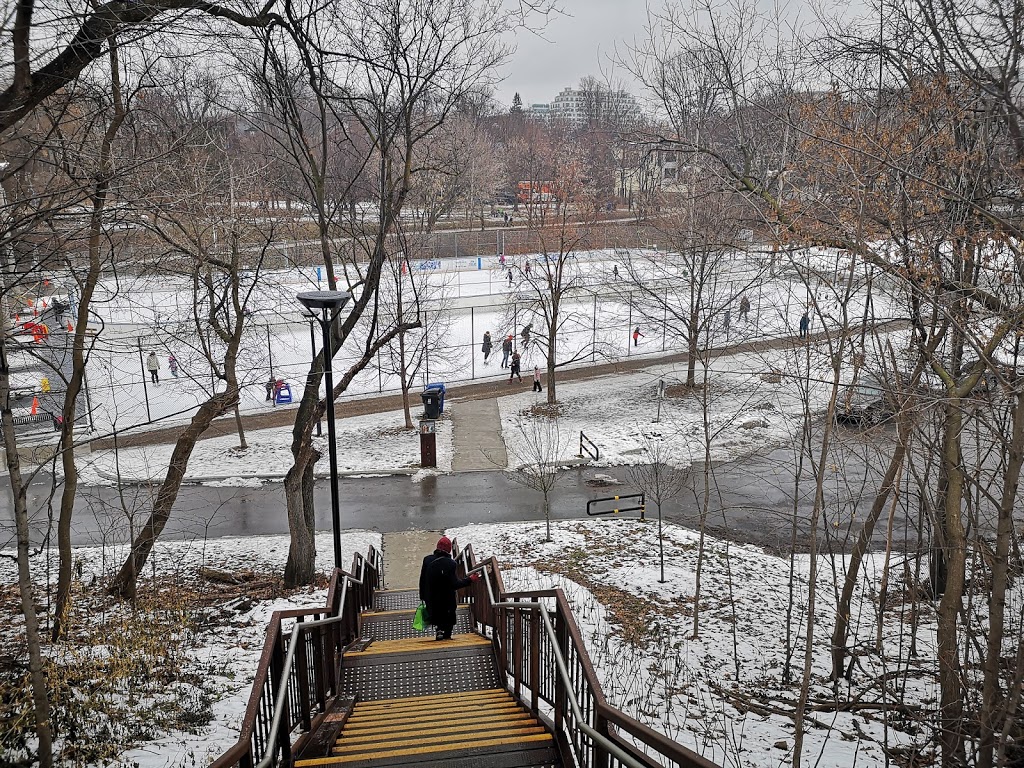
(318, 300)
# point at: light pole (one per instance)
(329, 304)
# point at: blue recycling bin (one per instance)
(440, 388)
(284, 394)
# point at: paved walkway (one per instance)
(403, 555)
(478, 443)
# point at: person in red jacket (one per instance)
(438, 587)
(637, 335)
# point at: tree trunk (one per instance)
(300, 567)
(992, 711)
(951, 701)
(33, 637)
(242, 445)
(842, 627)
(125, 583)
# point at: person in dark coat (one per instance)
(486, 348)
(506, 351)
(805, 324)
(438, 585)
(514, 368)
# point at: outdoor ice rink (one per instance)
(468, 296)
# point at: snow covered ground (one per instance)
(745, 413)
(720, 693)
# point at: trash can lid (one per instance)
(435, 385)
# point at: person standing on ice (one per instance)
(486, 348)
(510, 278)
(153, 366)
(506, 350)
(805, 324)
(744, 307)
(536, 378)
(527, 329)
(172, 365)
(637, 335)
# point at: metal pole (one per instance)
(312, 347)
(88, 400)
(629, 326)
(145, 388)
(270, 355)
(332, 445)
(593, 339)
(472, 344)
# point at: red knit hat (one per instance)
(444, 544)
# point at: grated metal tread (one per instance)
(398, 600)
(450, 673)
(399, 627)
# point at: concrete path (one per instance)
(403, 555)
(477, 439)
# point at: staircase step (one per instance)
(420, 644)
(463, 723)
(541, 755)
(419, 752)
(445, 737)
(418, 716)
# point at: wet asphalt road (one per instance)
(752, 500)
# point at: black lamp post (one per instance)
(325, 305)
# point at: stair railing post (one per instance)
(302, 677)
(517, 650)
(561, 702)
(276, 668)
(534, 659)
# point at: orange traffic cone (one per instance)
(35, 405)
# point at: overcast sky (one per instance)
(574, 45)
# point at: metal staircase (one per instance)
(352, 684)
(413, 700)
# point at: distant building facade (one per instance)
(580, 106)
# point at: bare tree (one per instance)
(535, 452)
(659, 480)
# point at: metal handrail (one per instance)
(335, 611)
(570, 693)
(286, 669)
(289, 660)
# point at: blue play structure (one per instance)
(284, 394)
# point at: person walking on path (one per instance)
(527, 329)
(438, 585)
(805, 324)
(510, 278)
(153, 366)
(172, 365)
(637, 335)
(615, 271)
(744, 307)
(536, 378)
(526, 268)
(506, 350)
(514, 368)
(486, 348)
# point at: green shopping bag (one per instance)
(419, 621)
